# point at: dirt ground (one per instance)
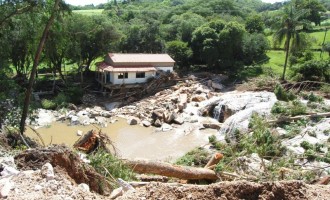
(290, 190)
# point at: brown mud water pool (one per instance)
(132, 141)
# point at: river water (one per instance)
(133, 141)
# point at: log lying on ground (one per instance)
(169, 170)
(287, 119)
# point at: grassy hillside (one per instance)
(89, 12)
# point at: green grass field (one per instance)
(89, 12)
(276, 61)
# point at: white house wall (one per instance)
(132, 78)
(165, 69)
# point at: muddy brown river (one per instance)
(133, 141)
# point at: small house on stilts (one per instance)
(120, 70)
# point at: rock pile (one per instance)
(40, 184)
(176, 105)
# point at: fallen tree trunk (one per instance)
(169, 170)
(287, 119)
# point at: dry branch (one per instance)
(169, 170)
(215, 159)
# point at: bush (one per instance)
(196, 157)
(74, 94)
(48, 104)
(278, 108)
(314, 98)
(297, 108)
(61, 100)
(313, 70)
(110, 166)
(283, 95)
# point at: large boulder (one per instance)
(235, 109)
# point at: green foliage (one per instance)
(48, 104)
(262, 140)
(61, 100)
(180, 52)
(306, 145)
(314, 98)
(110, 166)
(282, 94)
(254, 24)
(74, 94)
(291, 108)
(212, 139)
(279, 108)
(297, 108)
(313, 70)
(197, 157)
(325, 89)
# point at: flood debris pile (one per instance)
(176, 105)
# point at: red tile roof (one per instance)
(140, 58)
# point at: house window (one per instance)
(140, 74)
(122, 75)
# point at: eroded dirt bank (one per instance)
(231, 190)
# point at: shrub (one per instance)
(314, 98)
(48, 104)
(278, 108)
(283, 95)
(196, 157)
(313, 70)
(74, 94)
(61, 100)
(212, 139)
(110, 166)
(306, 145)
(297, 108)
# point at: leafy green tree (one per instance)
(143, 37)
(11, 8)
(21, 42)
(254, 24)
(314, 9)
(54, 12)
(90, 37)
(288, 31)
(254, 48)
(180, 52)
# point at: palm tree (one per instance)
(289, 28)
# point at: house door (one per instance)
(108, 80)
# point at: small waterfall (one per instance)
(217, 111)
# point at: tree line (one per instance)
(216, 35)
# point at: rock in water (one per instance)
(79, 133)
(132, 121)
(146, 123)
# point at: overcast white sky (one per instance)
(96, 2)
